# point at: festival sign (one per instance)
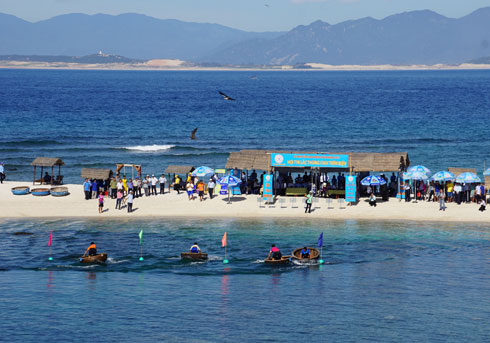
(310, 160)
(350, 189)
(267, 188)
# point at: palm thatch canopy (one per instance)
(457, 171)
(174, 169)
(487, 180)
(358, 161)
(95, 173)
(47, 162)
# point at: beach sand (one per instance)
(173, 205)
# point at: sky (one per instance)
(249, 15)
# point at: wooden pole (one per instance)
(34, 179)
(52, 168)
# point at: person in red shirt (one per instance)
(275, 252)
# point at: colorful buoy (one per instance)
(322, 262)
(141, 258)
(50, 258)
(225, 261)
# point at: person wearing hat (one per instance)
(2, 172)
(309, 200)
(211, 186)
(154, 182)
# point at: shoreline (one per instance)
(171, 205)
(170, 67)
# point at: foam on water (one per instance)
(150, 148)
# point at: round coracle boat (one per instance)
(99, 258)
(284, 260)
(40, 191)
(21, 190)
(195, 256)
(59, 191)
(314, 255)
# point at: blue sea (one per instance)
(381, 282)
(100, 118)
(390, 281)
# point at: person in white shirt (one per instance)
(154, 182)
(211, 186)
(162, 180)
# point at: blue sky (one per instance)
(250, 15)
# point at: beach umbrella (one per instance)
(373, 180)
(443, 176)
(468, 178)
(419, 169)
(415, 175)
(229, 181)
(202, 171)
(486, 172)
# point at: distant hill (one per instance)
(99, 58)
(132, 35)
(417, 37)
(481, 60)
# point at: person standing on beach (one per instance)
(86, 189)
(211, 186)
(154, 182)
(130, 202)
(407, 192)
(190, 190)
(2, 172)
(200, 189)
(119, 197)
(177, 184)
(162, 181)
(442, 200)
(309, 200)
(101, 202)
(113, 187)
(95, 188)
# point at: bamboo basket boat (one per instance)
(314, 255)
(284, 260)
(99, 258)
(194, 256)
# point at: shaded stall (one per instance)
(177, 170)
(359, 162)
(48, 162)
(96, 173)
(458, 171)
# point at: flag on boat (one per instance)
(50, 238)
(223, 240)
(320, 240)
(141, 237)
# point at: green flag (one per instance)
(141, 237)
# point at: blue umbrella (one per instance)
(486, 172)
(468, 178)
(415, 175)
(419, 169)
(373, 180)
(443, 176)
(202, 171)
(229, 181)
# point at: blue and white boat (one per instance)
(21, 190)
(40, 191)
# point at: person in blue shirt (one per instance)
(305, 253)
(86, 189)
(95, 188)
(195, 248)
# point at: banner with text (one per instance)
(267, 188)
(310, 160)
(350, 189)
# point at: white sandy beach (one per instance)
(173, 205)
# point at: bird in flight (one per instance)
(193, 134)
(226, 97)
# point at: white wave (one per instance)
(150, 148)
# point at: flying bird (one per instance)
(226, 97)
(193, 134)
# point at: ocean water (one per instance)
(382, 282)
(100, 118)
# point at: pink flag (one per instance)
(223, 240)
(50, 237)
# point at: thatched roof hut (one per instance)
(457, 171)
(96, 173)
(175, 169)
(358, 161)
(48, 162)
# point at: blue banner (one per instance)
(350, 188)
(310, 160)
(224, 189)
(267, 187)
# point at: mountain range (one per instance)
(417, 37)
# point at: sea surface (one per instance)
(100, 118)
(381, 282)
